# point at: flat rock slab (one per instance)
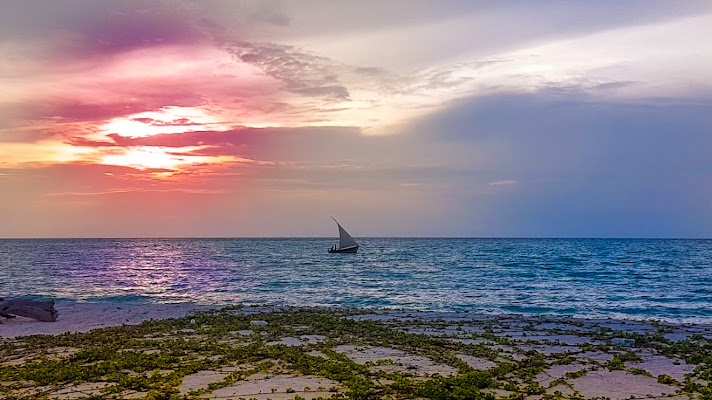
(292, 341)
(551, 349)
(677, 336)
(444, 331)
(279, 396)
(658, 365)
(565, 339)
(556, 372)
(628, 326)
(317, 353)
(431, 331)
(619, 385)
(262, 387)
(312, 338)
(485, 342)
(79, 391)
(57, 353)
(403, 362)
(201, 380)
(565, 390)
(131, 394)
(595, 356)
(33, 392)
(371, 317)
(499, 393)
(476, 362)
(287, 341)
(14, 361)
(565, 327)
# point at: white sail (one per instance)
(345, 240)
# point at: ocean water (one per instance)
(628, 278)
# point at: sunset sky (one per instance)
(399, 118)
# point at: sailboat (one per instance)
(347, 244)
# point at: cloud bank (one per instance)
(219, 118)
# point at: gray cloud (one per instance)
(583, 166)
(301, 73)
(271, 13)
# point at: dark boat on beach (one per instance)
(347, 244)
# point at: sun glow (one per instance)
(158, 158)
(13, 155)
(166, 120)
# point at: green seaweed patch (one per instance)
(619, 359)
(576, 374)
(155, 356)
(464, 386)
(640, 371)
(667, 380)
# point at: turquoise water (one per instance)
(664, 279)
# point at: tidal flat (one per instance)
(248, 352)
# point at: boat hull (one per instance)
(351, 249)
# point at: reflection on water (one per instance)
(633, 278)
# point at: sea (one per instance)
(667, 280)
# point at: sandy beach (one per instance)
(261, 353)
(83, 317)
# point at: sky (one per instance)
(399, 118)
